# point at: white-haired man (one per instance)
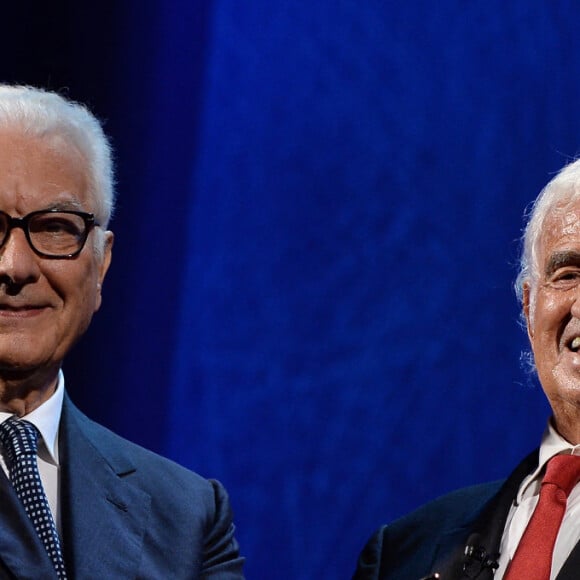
(528, 527)
(77, 501)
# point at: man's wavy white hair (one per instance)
(562, 190)
(43, 113)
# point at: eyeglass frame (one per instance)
(23, 223)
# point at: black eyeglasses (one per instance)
(52, 233)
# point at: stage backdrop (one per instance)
(316, 238)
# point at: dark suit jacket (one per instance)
(433, 538)
(126, 513)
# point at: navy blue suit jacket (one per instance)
(126, 513)
(433, 538)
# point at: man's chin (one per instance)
(13, 368)
(564, 399)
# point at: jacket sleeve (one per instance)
(221, 558)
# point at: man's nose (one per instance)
(18, 262)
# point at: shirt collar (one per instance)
(46, 418)
(552, 444)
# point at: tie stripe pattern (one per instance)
(533, 557)
(19, 440)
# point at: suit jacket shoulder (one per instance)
(128, 512)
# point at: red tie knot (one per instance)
(563, 471)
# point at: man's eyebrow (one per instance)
(69, 204)
(561, 259)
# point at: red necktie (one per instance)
(533, 557)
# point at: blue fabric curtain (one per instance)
(317, 235)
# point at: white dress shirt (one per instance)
(46, 418)
(526, 500)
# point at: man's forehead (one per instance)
(42, 172)
(561, 221)
(560, 235)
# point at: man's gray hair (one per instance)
(562, 190)
(43, 113)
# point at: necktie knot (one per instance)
(18, 438)
(563, 471)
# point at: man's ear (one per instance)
(104, 266)
(527, 309)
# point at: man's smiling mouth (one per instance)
(21, 310)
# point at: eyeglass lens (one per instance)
(51, 233)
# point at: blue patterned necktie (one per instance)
(20, 440)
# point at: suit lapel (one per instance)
(103, 515)
(490, 525)
(483, 530)
(571, 566)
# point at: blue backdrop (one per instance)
(317, 231)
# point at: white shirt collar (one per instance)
(552, 444)
(46, 418)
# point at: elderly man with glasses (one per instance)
(76, 500)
